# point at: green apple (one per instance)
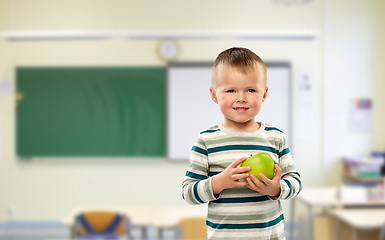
(260, 163)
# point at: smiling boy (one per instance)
(238, 208)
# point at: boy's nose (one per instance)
(241, 98)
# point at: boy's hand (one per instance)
(267, 187)
(229, 178)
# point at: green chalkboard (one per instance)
(91, 111)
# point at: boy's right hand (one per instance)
(230, 177)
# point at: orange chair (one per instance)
(102, 225)
(193, 228)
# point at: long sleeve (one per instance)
(239, 212)
(196, 186)
(291, 183)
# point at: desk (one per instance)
(316, 197)
(142, 216)
(327, 198)
(324, 197)
(365, 219)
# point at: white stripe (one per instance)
(245, 209)
(239, 208)
(231, 156)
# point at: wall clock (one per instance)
(168, 50)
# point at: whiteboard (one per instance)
(190, 109)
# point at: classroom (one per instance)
(331, 54)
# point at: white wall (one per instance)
(353, 68)
(48, 188)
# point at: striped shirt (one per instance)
(239, 213)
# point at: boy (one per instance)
(239, 208)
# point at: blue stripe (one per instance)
(210, 131)
(289, 184)
(196, 176)
(112, 227)
(284, 175)
(242, 147)
(300, 185)
(84, 223)
(199, 150)
(242, 200)
(285, 151)
(245, 226)
(272, 129)
(213, 173)
(196, 193)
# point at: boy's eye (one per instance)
(230, 91)
(251, 90)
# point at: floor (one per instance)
(55, 231)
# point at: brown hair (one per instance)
(239, 58)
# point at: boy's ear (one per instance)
(265, 94)
(213, 95)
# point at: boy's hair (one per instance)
(239, 58)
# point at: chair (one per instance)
(102, 225)
(192, 228)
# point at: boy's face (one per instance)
(239, 96)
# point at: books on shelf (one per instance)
(368, 178)
(364, 167)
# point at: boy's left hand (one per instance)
(267, 187)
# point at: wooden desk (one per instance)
(315, 197)
(324, 197)
(143, 216)
(327, 198)
(365, 219)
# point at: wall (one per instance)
(353, 55)
(43, 188)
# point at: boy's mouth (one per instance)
(240, 109)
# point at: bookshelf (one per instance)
(360, 179)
